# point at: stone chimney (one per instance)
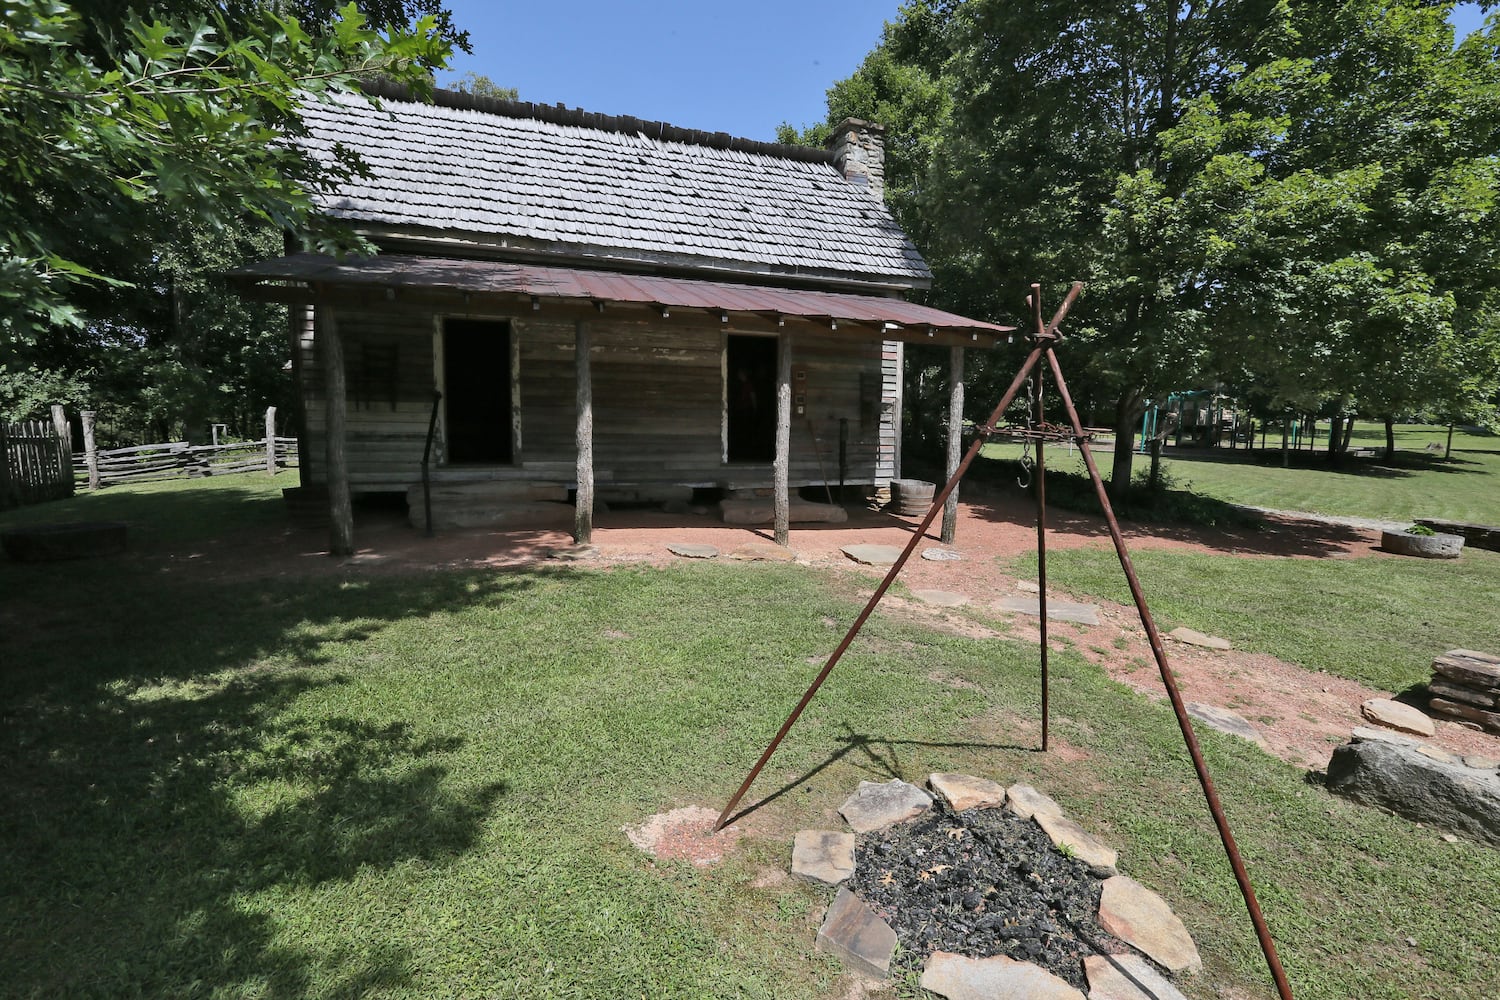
(858, 149)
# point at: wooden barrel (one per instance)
(912, 497)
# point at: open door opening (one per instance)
(476, 391)
(750, 404)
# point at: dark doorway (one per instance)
(476, 390)
(751, 411)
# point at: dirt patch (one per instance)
(685, 834)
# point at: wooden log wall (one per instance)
(658, 395)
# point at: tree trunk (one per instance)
(1390, 439)
(1448, 451)
(340, 508)
(1334, 425)
(1155, 463)
(1348, 432)
(1119, 472)
(583, 434)
(781, 470)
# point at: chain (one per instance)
(1027, 462)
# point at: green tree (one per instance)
(482, 86)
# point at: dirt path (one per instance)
(1300, 714)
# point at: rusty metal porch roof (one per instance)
(312, 277)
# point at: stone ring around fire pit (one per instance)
(1017, 901)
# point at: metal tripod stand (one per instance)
(1038, 432)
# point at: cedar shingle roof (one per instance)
(608, 192)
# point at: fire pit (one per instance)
(977, 894)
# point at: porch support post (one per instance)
(955, 440)
(781, 471)
(583, 512)
(335, 409)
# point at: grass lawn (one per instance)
(362, 784)
(1419, 483)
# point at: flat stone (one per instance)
(1225, 721)
(941, 555)
(574, 553)
(960, 978)
(964, 791)
(1401, 777)
(1483, 718)
(1026, 802)
(941, 598)
(1397, 716)
(692, 550)
(1028, 586)
(1058, 611)
(1481, 762)
(1142, 919)
(1126, 977)
(872, 555)
(823, 855)
(1195, 638)
(853, 932)
(1467, 666)
(762, 552)
(1479, 697)
(1361, 733)
(1075, 840)
(876, 806)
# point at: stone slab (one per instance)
(1397, 716)
(1193, 637)
(940, 598)
(1028, 587)
(1026, 802)
(941, 555)
(692, 550)
(1143, 920)
(1126, 977)
(762, 552)
(1482, 717)
(1068, 836)
(1225, 721)
(1466, 666)
(823, 855)
(876, 805)
(964, 791)
(1448, 794)
(1058, 611)
(1478, 697)
(959, 978)
(872, 555)
(853, 932)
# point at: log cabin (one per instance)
(569, 309)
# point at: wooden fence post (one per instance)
(64, 448)
(583, 501)
(955, 440)
(271, 440)
(781, 470)
(9, 495)
(90, 449)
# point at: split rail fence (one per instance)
(39, 462)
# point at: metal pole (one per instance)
(1262, 932)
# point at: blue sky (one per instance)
(739, 67)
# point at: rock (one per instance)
(1444, 793)
(964, 791)
(1469, 668)
(1142, 919)
(960, 978)
(1193, 637)
(1026, 802)
(1435, 546)
(1028, 587)
(1383, 736)
(1225, 721)
(1478, 697)
(876, 806)
(1126, 977)
(941, 598)
(853, 932)
(941, 555)
(1059, 611)
(762, 552)
(1073, 839)
(1481, 762)
(574, 553)
(872, 555)
(1397, 716)
(1485, 719)
(823, 855)
(692, 550)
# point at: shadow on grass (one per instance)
(162, 787)
(886, 763)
